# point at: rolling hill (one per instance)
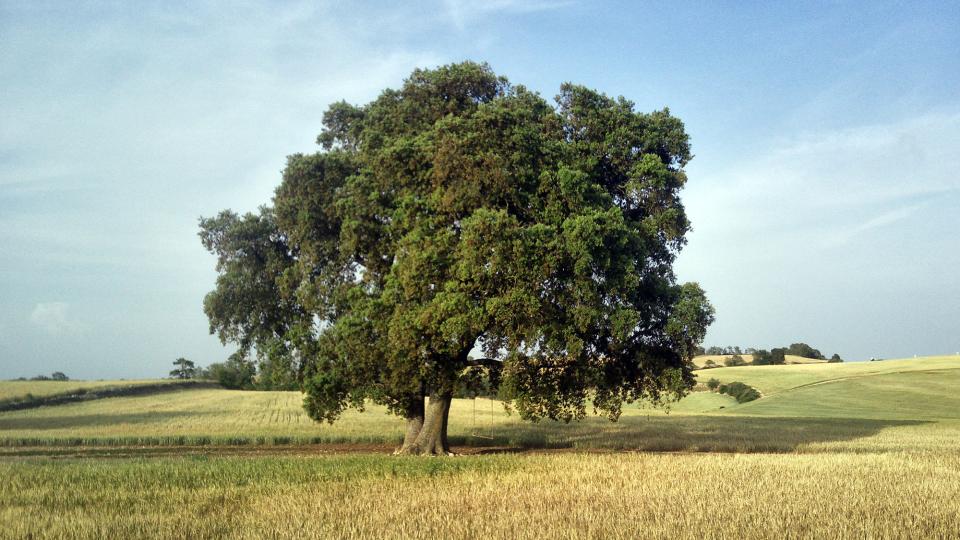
(719, 359)
(801, 405)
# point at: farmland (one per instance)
(835, 450)
(19, 389)
(719, 359)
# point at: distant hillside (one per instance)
(33, 394)
(719, 359)
(916, 389)
(19, 389)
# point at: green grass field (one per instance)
(831, 450)
(19, 389)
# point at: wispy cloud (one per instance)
(461, 12)
(54, 318)
(882, 220)
(835, 183)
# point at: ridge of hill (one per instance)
(719, 359)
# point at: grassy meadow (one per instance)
(830, 450)
(20, 389)
(719, 359)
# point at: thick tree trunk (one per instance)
(432, 439)
(414, 418)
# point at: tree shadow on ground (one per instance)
(681, 433)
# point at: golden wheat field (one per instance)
(622, 495)
(865, 450)
(17, 389)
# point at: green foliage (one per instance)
(460, 212)
(717, 351)
(185, 369)
(236, 373)
(739, 391)
(735, 360)
(835, 359)
(804, 350)
(713, 384)
(55, 376)
(763, 357)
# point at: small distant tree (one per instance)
(778, 356)
(709, 364)
(713, 384)
(40, 378)
(734, 361)
(713, 351)
(185, 369)
(835, 359)
(59, 376)
(804, 350)
(761, 357)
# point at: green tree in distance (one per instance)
(185, 369)
(462, 222)
(236, 373)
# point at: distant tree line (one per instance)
(55, 376)
(239, 372)
(763, 357)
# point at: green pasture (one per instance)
(20, 389)
(894, 405)
(849, 450)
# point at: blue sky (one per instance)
(825, 192)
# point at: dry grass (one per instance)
(834, 451)
(17, 389)
(559, 496)
(719, 359)
(773, 379)
(209, 416)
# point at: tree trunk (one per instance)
(432, 439)
(414, 418)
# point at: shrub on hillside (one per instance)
(735, 360)
(739, 391)
(713, 384)
(772, 357)
(804, 350)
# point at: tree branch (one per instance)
(485, 362)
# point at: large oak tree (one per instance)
(461, 222)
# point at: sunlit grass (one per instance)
(773, 379)
(19, 389)
(834, 451)
(504, 496)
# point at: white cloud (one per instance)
(54, 318)
(824, 237)
(820, 187)
(881, 220)
(462, 11)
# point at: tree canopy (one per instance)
(460, 223)
(185, 369)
